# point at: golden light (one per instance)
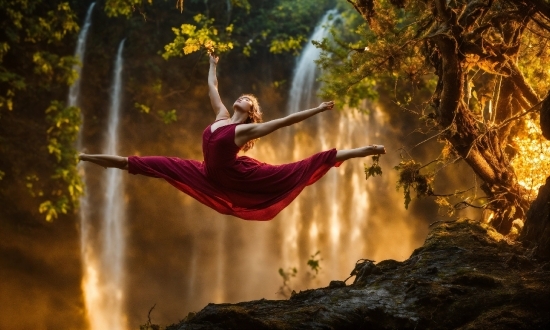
(531, 161)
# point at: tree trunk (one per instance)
(482, 150)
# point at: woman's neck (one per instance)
(239, 118)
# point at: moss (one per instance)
(479, 280)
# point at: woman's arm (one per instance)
(247, 132)
(215, 100)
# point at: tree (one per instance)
(483, 63)
(36, 129)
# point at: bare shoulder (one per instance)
(256, 130)
(241, 128)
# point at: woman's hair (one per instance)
(254, 116)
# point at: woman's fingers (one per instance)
(328, 105)
(213, 58)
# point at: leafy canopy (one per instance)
(472, 71)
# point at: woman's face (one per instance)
(243, 103)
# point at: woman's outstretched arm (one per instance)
(215, 100)
(247, 132)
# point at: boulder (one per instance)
(465, 276)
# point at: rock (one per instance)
(364, 268)
(337, 284)
(465, 276)
(536, 232)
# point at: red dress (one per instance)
(236, 185)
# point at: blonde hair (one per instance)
(254, 116)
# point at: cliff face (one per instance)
(465, 276)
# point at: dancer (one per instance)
(238, 185)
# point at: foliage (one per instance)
(280, 26)
(126, 7)
(313, 262)
(469, 69)
(63, 131)
(410, 177)
(374, 169)
(168, 116)
(191, 38)
(342, 81)
(35, 71)
(28, 28)
(285, 289)
(314, 265)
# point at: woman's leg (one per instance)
(342, 155)
(106, 160)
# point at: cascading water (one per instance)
(89, 261)
(73, 101)
(74, 90)
(111, 315)
(302, 96)
(333, 215)
(303, 87)
(102, 251)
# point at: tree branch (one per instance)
(453, 194)
(451, 79)
(473, 11)
(542, 7)
(443, 10)
(532, 109)
(528, 93)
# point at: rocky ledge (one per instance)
(465, 276)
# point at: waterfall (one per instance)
(89, 261)
(330, 216)
(343, 216)
(317, 220)
(303, 87)
(111, 315)
(73, 100)
(74, 90)
(102, 250)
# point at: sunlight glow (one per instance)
(313, 230)
(530, 163)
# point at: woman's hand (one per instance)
(213, 59)
(326, 105)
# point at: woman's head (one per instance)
(250, 104)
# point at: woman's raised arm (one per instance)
(247, 132)
(215, 100)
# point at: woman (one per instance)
(238, 185)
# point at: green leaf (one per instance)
(168, 116)
(374, 169)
